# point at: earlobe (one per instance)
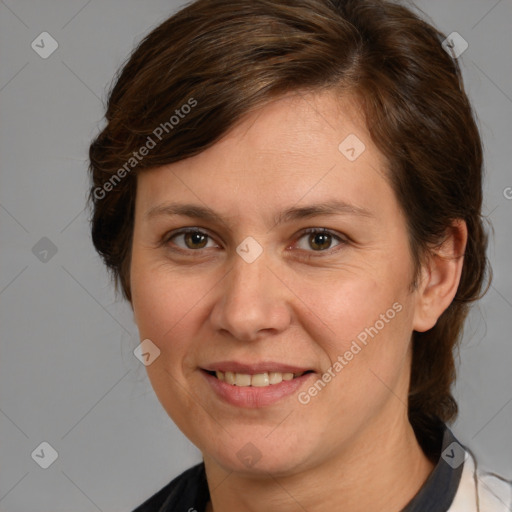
(440, 277)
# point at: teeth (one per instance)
(242, 379)
(229, 377)
(275, 377)
(257, 380)
(260, 380)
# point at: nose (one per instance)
(252, 301)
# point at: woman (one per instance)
(289, 194)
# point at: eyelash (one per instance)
(313, 254)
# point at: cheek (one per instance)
(347, 306)
(166, 309)
(362, 326)
(164, 303)
(334, 308)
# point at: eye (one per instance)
(311, 240)
(190, 239)
(319, 239)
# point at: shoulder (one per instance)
(481, 491)
(189, 490)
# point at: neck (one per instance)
(381, 470)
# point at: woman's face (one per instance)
(253, 292)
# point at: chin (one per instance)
(259, 457)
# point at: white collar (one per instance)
(479, 491)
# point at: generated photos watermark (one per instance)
(304, 397)
(151, 142)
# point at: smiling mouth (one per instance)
(255, 380)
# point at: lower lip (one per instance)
(253, 396)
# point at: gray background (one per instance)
(67, 372)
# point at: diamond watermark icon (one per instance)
(352, 147)
(248, 455)
(44, 45)
(44, 250)
(249, 250)
(146, 352)
(454, 455)
(455, 45)
(45, 455)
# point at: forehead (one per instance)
(299, 145)
(298, 127)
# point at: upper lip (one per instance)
(254, 368)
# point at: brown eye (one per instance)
(195, 240)
(190, 239)
(320, 241)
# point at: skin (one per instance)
(351, 447)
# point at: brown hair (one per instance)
(224, 59)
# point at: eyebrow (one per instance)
(335, 207)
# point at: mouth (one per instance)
(257, 385)
(260, 380)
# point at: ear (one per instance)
(440, 277)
